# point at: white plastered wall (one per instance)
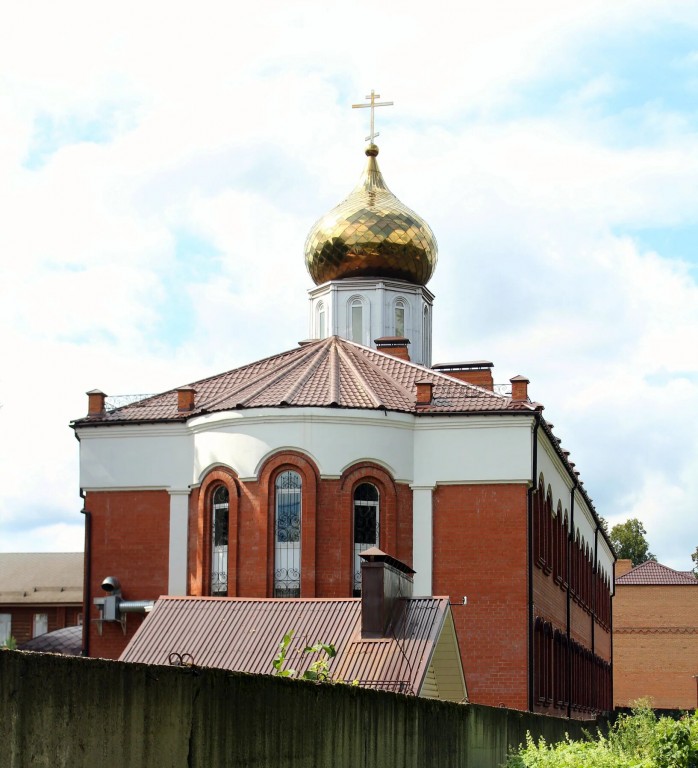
(378, 298)
(421, 451)
(557, 478)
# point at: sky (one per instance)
(162, 163)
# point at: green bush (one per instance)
(639, 740)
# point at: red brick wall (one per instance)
(655, 645)
(59, 616)
(327, 527)
(480, 550)
(130, 540)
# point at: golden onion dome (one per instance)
(371, 234)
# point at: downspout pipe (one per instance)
(531, 490)
(87, 579)
(610, 629)
(570, 539)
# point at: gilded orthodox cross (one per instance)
(373, 104)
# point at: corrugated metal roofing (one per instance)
(656, 573)
(243, 634)
(330, 373)
(41, 577)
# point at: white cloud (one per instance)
(128, 130)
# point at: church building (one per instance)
(269, 480)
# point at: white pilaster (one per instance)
(422, 539)
(179, 515)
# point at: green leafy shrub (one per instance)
(639, 740)
(318, 671)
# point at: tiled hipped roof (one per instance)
(330, 373)
(658, 574)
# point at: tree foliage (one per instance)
(694, 557)
(629, 541)
(639, 740)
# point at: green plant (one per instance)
(280, 658)
(638, 740)
(10, 644)
(318, 671)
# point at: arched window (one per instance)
(356, 316)
(400, 318)
(538, 524)
(219, 541)
(321, 321)
(565, 553)
(287, 535)
(366, 526)
(426, 338)
(539, 662)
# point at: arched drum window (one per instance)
(366, 526)
(357, 321)
(287, 535)
(322, 325)
(400, 318)
(219, 541)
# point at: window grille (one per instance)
(366, 526)
(287, 535)
(219, 542)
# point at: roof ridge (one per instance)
(409, 394)
(368, 389)
(282, 371)
(315, 361)
(425, 369)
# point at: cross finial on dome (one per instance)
(372, 105)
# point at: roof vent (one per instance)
(95, 402)
(397, 346)
(425, 391)
(477, 372)
(519, 388)
(384, 581)
(185, 398)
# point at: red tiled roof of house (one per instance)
(243, 634)
(656, 573)
(330, 373)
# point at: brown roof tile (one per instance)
(656, 573)
(329, 373)
(243, 634)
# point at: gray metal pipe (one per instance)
(136, 606)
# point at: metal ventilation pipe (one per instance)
(136, 606)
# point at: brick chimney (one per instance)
(185, 398)
(425, 390)
(384, 581)
(478, 372)
(622, 567)
(397, 346)
(519, 388)
(95, 402)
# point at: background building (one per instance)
(269, 480)
(39, 592)
(655, 636)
